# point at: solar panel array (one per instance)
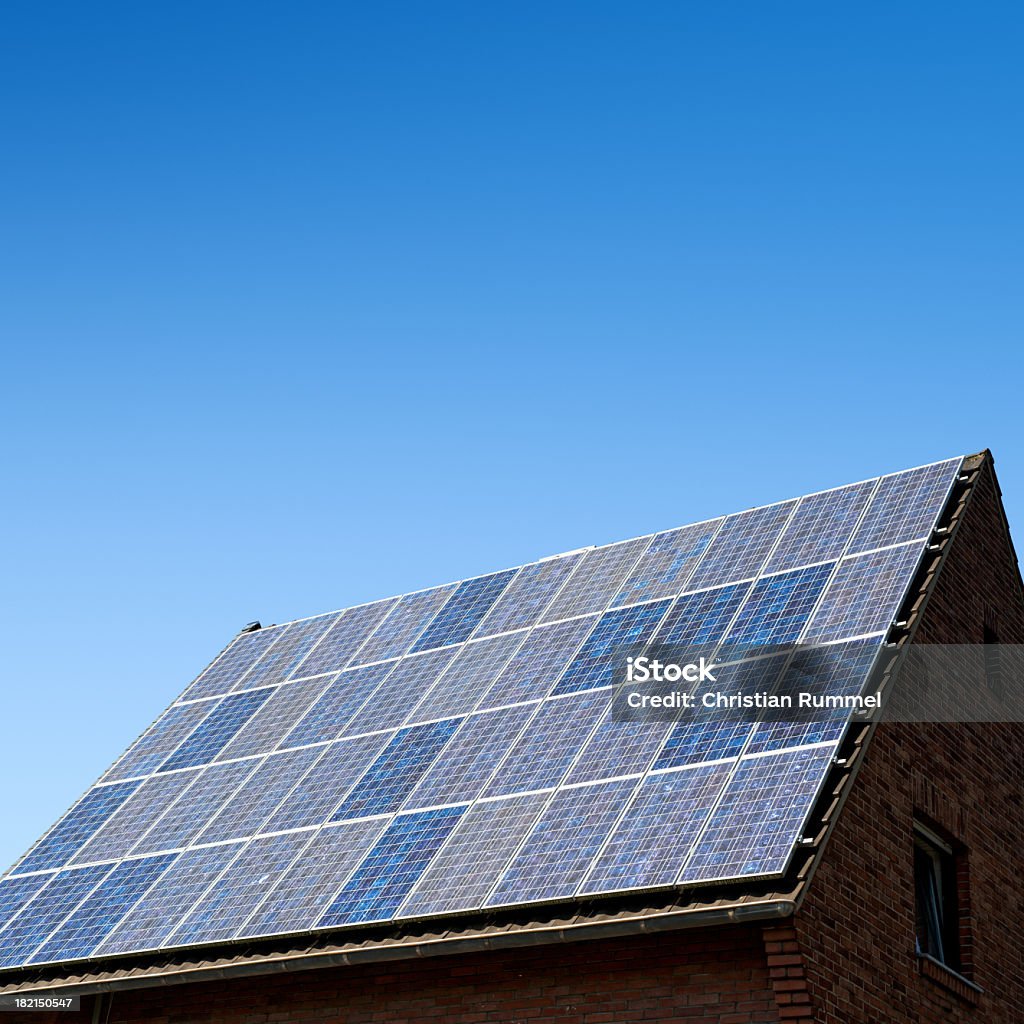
(454, 750)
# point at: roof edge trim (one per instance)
(445, 945)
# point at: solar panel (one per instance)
(454, 749)
(153, 917)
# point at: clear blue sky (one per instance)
(306, 304)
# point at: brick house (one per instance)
(843, 936)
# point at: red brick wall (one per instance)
(715, 975)
(856, 927)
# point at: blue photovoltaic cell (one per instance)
(741, 547)
(905, 506)
(700, 620)
(537, 665)
(559, 850)
(185, 818)
(60, 844)
(547, 746)
(709, 734)
(456, 621)
(234, 897)
(384, 878)
(308, 887)
(96, 917)
(865, 594)
(326, 719)
(217, 730)
(469, 864)
(258, 798)
(667, 563)
(601, 659)
(284, 657)
(468, 761)
(344, 638)
(396, 771)
(131, 820)
(154, 746)
(325, 785)
(596, 580)
(779, 607)
(753, 829)
(528, 595)
(618, 748)
(275, 718)
(148, 923)
(16, 892)
(821, 527)
(232, 665)
(391, 704)
(472, 672)
(836, 670)
(404, 623)
(44, 913)
(654, 837)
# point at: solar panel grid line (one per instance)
(184, 915)
(597, 805)
(819, 772)
(222, 811)
(324, 657)
(296, 673)
(276, 718)
(186, 714)
(107, 839)
(387, 870)
(565, 774)
(229, 901)
(230, 715)
(725, 633)
(91, 922)
(449, 772)
(432, 600)
(362, 683)
(565, 564)
(314, 772)
(252, 926)
(223, 780)
(289, 650)
(459, 617)
(507, 754)
(99, 873)
(680, 588)
(810, 618)
(384, 707)
(391, 769)
(261, 640)
(33, 852)
(165, 895)
(901, 512)
(495, 641)
(497, 769)
(630, 564)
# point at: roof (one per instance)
(445, 768)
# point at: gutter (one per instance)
(541, 935)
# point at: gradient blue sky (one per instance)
(307, 304)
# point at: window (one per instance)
(936, 897)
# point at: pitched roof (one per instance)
(446, 766)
